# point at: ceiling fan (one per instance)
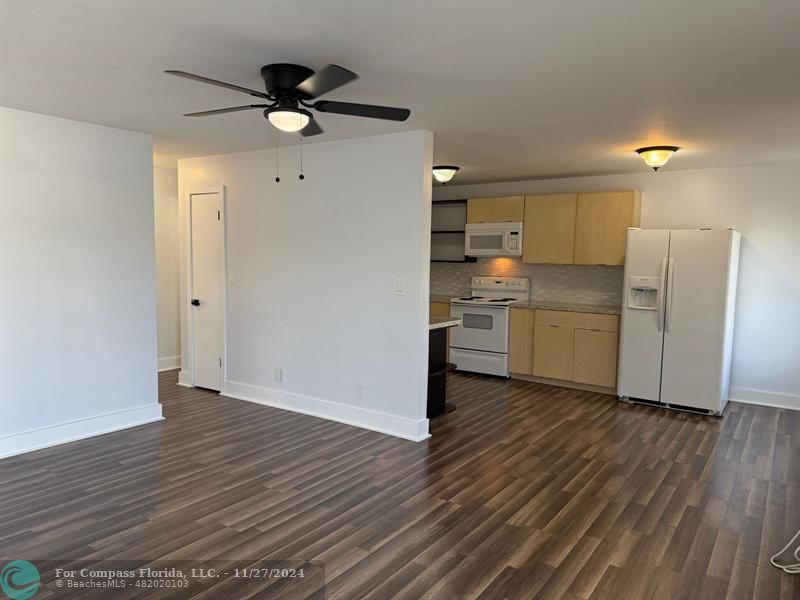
(289, 88)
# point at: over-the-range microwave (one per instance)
(493, 239)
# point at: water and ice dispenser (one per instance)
(643, 292)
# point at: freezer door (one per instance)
(641, 335)
(697, 323)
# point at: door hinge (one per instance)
(220, 361)
(217, 215)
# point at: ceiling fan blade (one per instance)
(372, 111)
(230, 86)
(219, 111)
(312, 128)
(326, 79)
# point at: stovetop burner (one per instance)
(502, 299)
(472, 298)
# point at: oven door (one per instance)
(483, 328)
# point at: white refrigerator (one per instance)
(676, 332)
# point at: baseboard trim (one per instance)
(764, 398)
(62, 433)
(185, 379)
(169, 363)
(401, 427)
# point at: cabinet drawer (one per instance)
(595, 359)
(577, 320)
(552, 351)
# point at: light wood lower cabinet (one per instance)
(440, 309)
(552, 351)
(520, 341)
(564, 346)
(595, 357)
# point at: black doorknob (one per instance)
(195, 302)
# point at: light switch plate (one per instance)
(278, 374)
(231, 277)
(399, 286)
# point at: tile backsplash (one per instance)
(550, 283)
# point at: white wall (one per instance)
(77, 305)
(763, 203)
(165, 182)
(314, 262)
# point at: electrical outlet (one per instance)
(361, 391)
(278, 374)
(399, 286)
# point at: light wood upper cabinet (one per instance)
(552, 351)
(510, 209)
(480, 210)
(520, 341)
(595, 357)
(549, 229)
(601, 225)
(495, 210)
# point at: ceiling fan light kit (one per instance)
(289, 120)
(656, 156)
(444, 173)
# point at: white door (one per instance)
(641, 329)
(695, 319)
(207, 288)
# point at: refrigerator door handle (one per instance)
(660, 299)
(670, 279)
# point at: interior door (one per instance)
(694, 322)
(207, 289)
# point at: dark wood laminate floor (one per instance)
(526, 491)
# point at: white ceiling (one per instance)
(512, 90)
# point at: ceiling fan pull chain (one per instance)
(277, 163)
(301, 159)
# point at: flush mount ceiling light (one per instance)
(657, 156)
(444, 173)
(288, 119)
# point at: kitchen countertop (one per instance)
(443, 322)
(598, 309)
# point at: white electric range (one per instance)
(480, 343)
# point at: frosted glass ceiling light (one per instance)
(656, 156)
(289, 120)
(444, 173)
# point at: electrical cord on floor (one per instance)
(792, 568)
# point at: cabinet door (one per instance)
(440, 309)
(601, 226)
(548, 233)
(552, 351)
(480, 210)
(510, 209)
(520, 341)
(595, 357)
